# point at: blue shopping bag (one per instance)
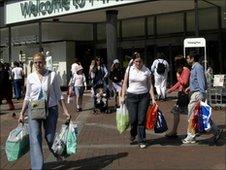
(160, 124)
(205, 114)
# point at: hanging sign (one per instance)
(27, 10)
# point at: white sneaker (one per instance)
(189, 139)
(142, 145)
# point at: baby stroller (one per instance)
(101, 96)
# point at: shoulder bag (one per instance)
(39, 108)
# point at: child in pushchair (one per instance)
(101, 95)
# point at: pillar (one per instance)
(111, 35)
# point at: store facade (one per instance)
(110, 29)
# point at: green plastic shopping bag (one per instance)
(72, 139)
(122, 118)
(17, 143)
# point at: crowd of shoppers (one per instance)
(134, 86)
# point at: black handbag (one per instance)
(160, 125)
(39, 108)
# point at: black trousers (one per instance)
(137, 105)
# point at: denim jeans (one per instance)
(137, 105)
(35, 136)
(17, 83)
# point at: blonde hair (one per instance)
(42, 56)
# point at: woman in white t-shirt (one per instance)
(38, 84)
(17, 73)
(138, 86)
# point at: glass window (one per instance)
(101, 31)
(133, 27)
(151, 26)
(208, 19)
(170, 23)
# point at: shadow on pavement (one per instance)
(98, 162)
(164, 141)
(210, 141)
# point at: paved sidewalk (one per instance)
(100, 146)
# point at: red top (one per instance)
(182, 81)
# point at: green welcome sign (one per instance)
(27, 10)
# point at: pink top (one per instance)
(182, 81)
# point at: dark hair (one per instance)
(98, 58)
(16, 63)
(136, 55)
(194, 55)
(180, 62)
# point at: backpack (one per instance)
(161, 68)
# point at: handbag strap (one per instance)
(48, 85)
(128, 75)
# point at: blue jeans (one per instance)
(17, 83)
(35, 136)
(137, 105)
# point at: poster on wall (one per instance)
(219, 80)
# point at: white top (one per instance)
(49, 63)
(155, 64)
(35, 86)
(79, 80)
(17, 73)
(138, 80)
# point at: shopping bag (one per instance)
(160, 123)
(151, 116)
(194, 118)
(122, 118)
(17, 143)
(59, 143)
(205, 113)
(71, 146)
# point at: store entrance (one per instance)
(84, 51)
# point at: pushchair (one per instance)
(101, 96)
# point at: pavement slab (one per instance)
(100, 146)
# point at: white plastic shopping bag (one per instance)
(122, 118)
